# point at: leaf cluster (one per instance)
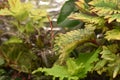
(101, 28)
(103, 15)
(22, 21)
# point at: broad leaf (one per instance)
(57, 71)
(74, 69)
(66, 10)
(88, 59)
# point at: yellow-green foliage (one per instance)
(101, 17)
(96, 14)
(66, 43)
(88, 18)
(22, 11)
(104, 14)
(110, 61)
(74, 68)
(99, 13)
(25, 19)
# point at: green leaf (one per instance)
(110, 62)
(66, 10)
(113, 48)
(88, 59)
(82, 5)
(18, 9)
(107, 54)
(88, 18)
(113, 34)
(13, 40)
(104, 3)
(65, 43)
(56, 71)
(29, 27)
(105, 7)
(14, 3)
(113, 18)
(37, 14)
(20, 56)
(100, 64)
(116, 71)
(74, 68)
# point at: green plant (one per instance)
(103, 15)
(24, 21)
(64, 45)
(74, 68)
(101, 29)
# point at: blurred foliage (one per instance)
(91, 45)
(21, 22)
(74, 69)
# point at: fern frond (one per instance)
(113, 17)
(82, 5)
(110, 61)
(105, 7)
(88, 18)
(113, 34)
(65, 43)
(103, 3)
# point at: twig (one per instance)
(52, 34)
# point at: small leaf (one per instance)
(107, 54)
(115, 72)
(100, 64)
(113, 34)
(66, 10)
(73, 67)
(14, 3)
(13, 40)
(82, 5)
(113, 17)
(87, 60)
